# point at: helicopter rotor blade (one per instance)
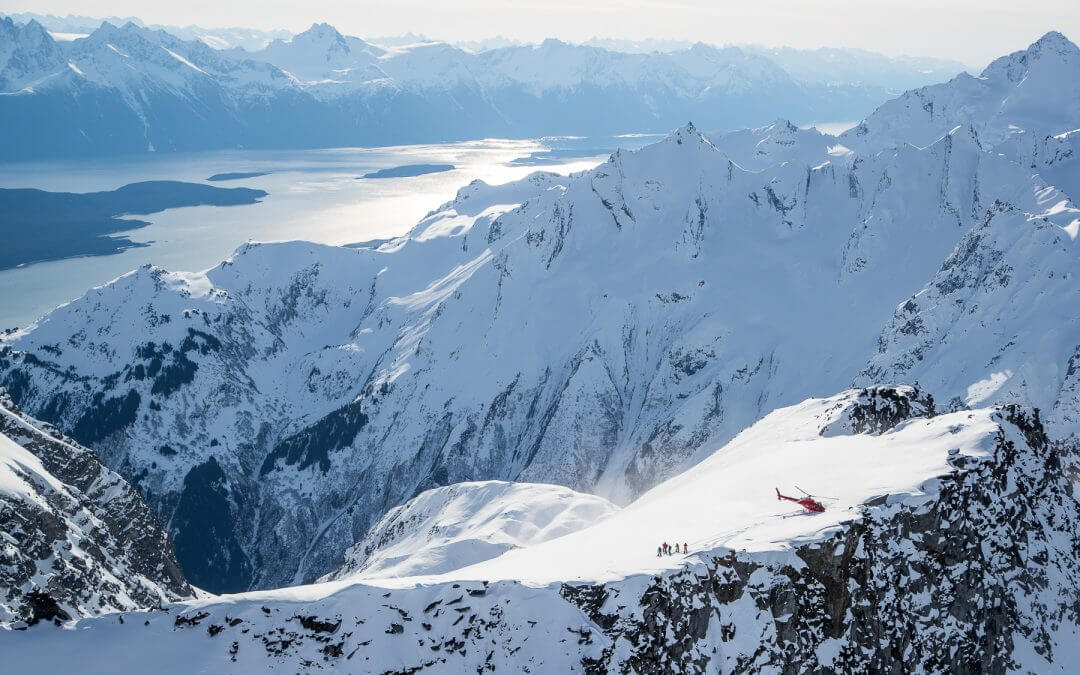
(814, 496)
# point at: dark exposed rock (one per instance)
(190, 620)
(880, 409)
(42, 607)
(123, 559)
(314, 624)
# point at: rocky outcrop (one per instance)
(77, 539)
(983, 578)
(878, 409)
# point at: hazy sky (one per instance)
(972, 31)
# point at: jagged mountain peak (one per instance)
(319, 36)
(689, 135)
(27, 54)
(1056, 43)
(106, 28)
(321, 54)
(1050, 52)
(34, 26)
(1015, 103)
(781, 124)
(553, 43)
(778, 142)
(128, 34)
(320, 30)
(31, 35)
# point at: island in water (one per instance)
(236, 175)
(559, 156)
(37, 225)
(409, 170)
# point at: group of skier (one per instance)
(664, 549)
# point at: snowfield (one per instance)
(728, 500)
(532, 608)
(455, 526)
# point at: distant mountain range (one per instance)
(135, 89)
(70, 27)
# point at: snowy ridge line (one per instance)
(451, 527)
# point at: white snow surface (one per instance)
(451, 527)
(728, 500)
(21, 474)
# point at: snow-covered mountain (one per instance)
(846, 65)
(149, 91)
(321, 55)
(158, 92)
(1023, 105)
(949, 546)
(450, 527)
(602, 331)
(26, 52)
(75, 538)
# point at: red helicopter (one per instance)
(808, 502)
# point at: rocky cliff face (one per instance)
(77, 539)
